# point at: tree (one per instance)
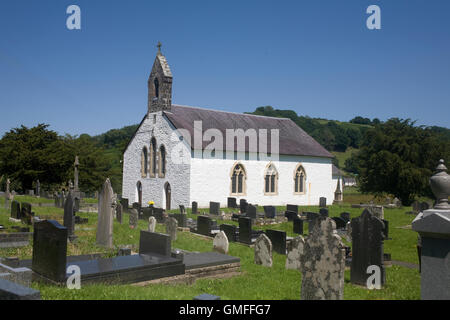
(398, 158)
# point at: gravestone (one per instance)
(292, 208)
(290, 215)
(243, 206)
(298, 226)
(230, 231)
(171, 228)
(151, 224)
(323, 263)
(153, 242)
(220, 243)
(324, 212)
(26, 215)
(345, 216)
(340, 222)
(416, 206)
(76, 204)
(50, 250)
(15, 210)
(295, 249)
(367, 247)
(214, 207)
(204, 225)
(263, 251)
(278, 240)
(312, 219)
(69, 218)
(245, 230)
(182, 209)
(119, 210)
(104, 236)
(136, 206)
(13, 291)
(433, 226)
(159, 214)
(194, 207)
(322, 202)
(251, 211)
(386, 229)
(134, 217)
(181, 219)
(377, 211)
(125, 205)
(269, 212)
(424, 206)
(231, 203)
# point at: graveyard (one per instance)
(252, 282)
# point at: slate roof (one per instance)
(293, 139)
(335, 171)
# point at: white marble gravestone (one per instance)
(220, 243)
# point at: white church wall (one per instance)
(177, 174)
(210, 181)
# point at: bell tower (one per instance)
(159, 84)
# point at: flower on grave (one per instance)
(150, 203)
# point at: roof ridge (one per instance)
(238, 113)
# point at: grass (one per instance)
(342, 156)
(255, 283)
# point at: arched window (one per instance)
(299, 180)
(153, 157)
(162, 161)
(144, 162)
(156, 84)
(271, 180)
(238, 177)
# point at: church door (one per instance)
(168, 192)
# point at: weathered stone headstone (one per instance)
(433, 226)
(220, 243)
(377, 211)
(104, 236)
(397, 202)
(294, 252)
(134, 217)
(125, 205)
(27, 214)
(171, 228)
(182, 209)
(50, 250)
(181, 219)
(69, 218)
(323, 263)
(263, 251)
(322, 202)
(416, 206)
(151, 224)
(214, 207)
(367, 247)
(119, 210)
(194, 207)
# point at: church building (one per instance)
(181, 154)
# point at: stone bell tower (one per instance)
(160, 84)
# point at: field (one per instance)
(256, 282)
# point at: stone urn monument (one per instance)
(433, 226)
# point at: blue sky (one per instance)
(315, 57)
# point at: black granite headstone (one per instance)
(292, 208)
(136, 206)
(243, 206)
(278, 239)
(204, 225)
(230, 231)
(125, 205)
(323, 212)
(153, 242)
(298, 226)
(367, 247)
(12, 291)
(214, 207)
(322, 202)
(251, 211)
(182, 209)
(158, 213)
(50, 250)
(290, 215)
(181, 219)
(345, 216)
(340, 223)
(15, 210)
(245, 230)
(386, 229)
(194, 207)
(269, 212)
(231, 203)
(147, 212)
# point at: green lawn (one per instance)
(256, 282)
